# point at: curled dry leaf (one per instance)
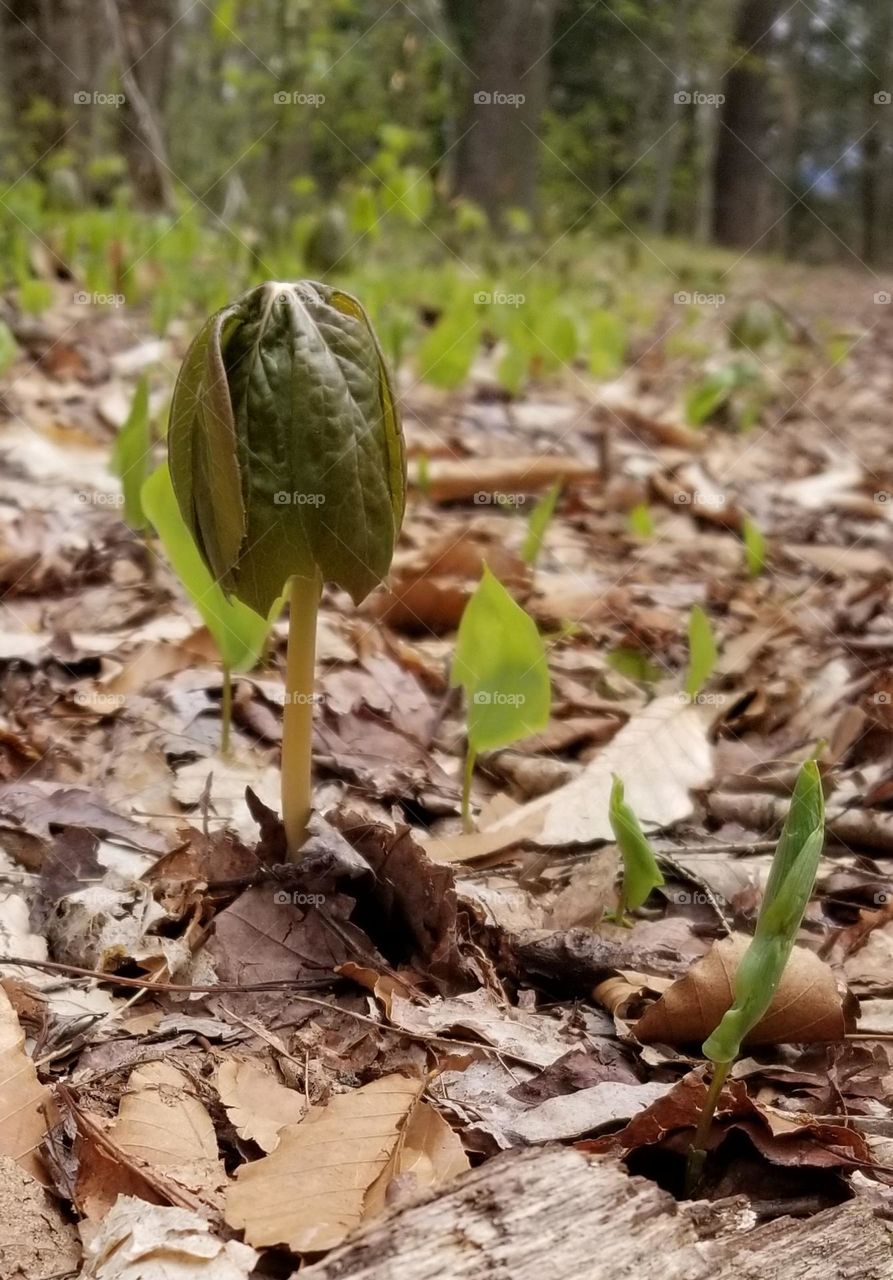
(24, 1101)
(140, 1241)
(808, 1007)
(781, 1139)
(256, 1103)
(313, 1189)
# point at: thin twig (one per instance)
(203, 988)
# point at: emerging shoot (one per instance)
(641, 873)
(790, 884)
(701, 652)
(500, 662)
(287, 460)
(239, 633)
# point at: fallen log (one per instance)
(553, 1213)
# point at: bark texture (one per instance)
(741, 179)
(507, 46)
(553, 1214)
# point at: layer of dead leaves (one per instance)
(206, 1053)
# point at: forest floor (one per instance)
(366, 1061)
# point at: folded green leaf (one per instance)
(132, 455)
(754, 547)
(285, 447)
(641, 521)
(701, 652)
(607, 343)
(790, 884)
(239, 632)
(500, 662)
(641, 873)
(538, 523)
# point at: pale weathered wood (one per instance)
(554, 1214)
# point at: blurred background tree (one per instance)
(306, 136)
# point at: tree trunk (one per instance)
(51, 49)
(669, 147)
(741, 179)
(141, 37)
(877, 100)
(506, 47)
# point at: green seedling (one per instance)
(538, 523)
(607, 344)
(500, 662)
(641, 521)
(756, 325)
(634, 664)
(447, 353)
(132, 455)
(9, 349)
(736, 388)
(423, 474)
(754, 547)
(641, 873)
(701, 652)
(287, 461)
(788, 890)
(239, 633)
(35, 297)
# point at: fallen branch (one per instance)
(554, 1214)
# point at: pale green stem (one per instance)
(297, 720)
(470, 757)
(226, 710)
(697, 1153)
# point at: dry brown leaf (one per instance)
(382, 985)
(586, 1110)
(429, 1154)
(808, 1008)
(527, 1037)
(162, 1123)
(796, 1140)
(312, 1190)
(140, 1241)
(256, 1103)
(23, 1099)
(662, 754)
(428, 590)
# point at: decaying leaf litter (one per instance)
(207, 1052)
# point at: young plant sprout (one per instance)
(287, 461)
(538, 524)
(641, 873)
(500, 662)
(701, 652)
(754, 547)
(132, 455)
(239, 633)
(790, 884)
